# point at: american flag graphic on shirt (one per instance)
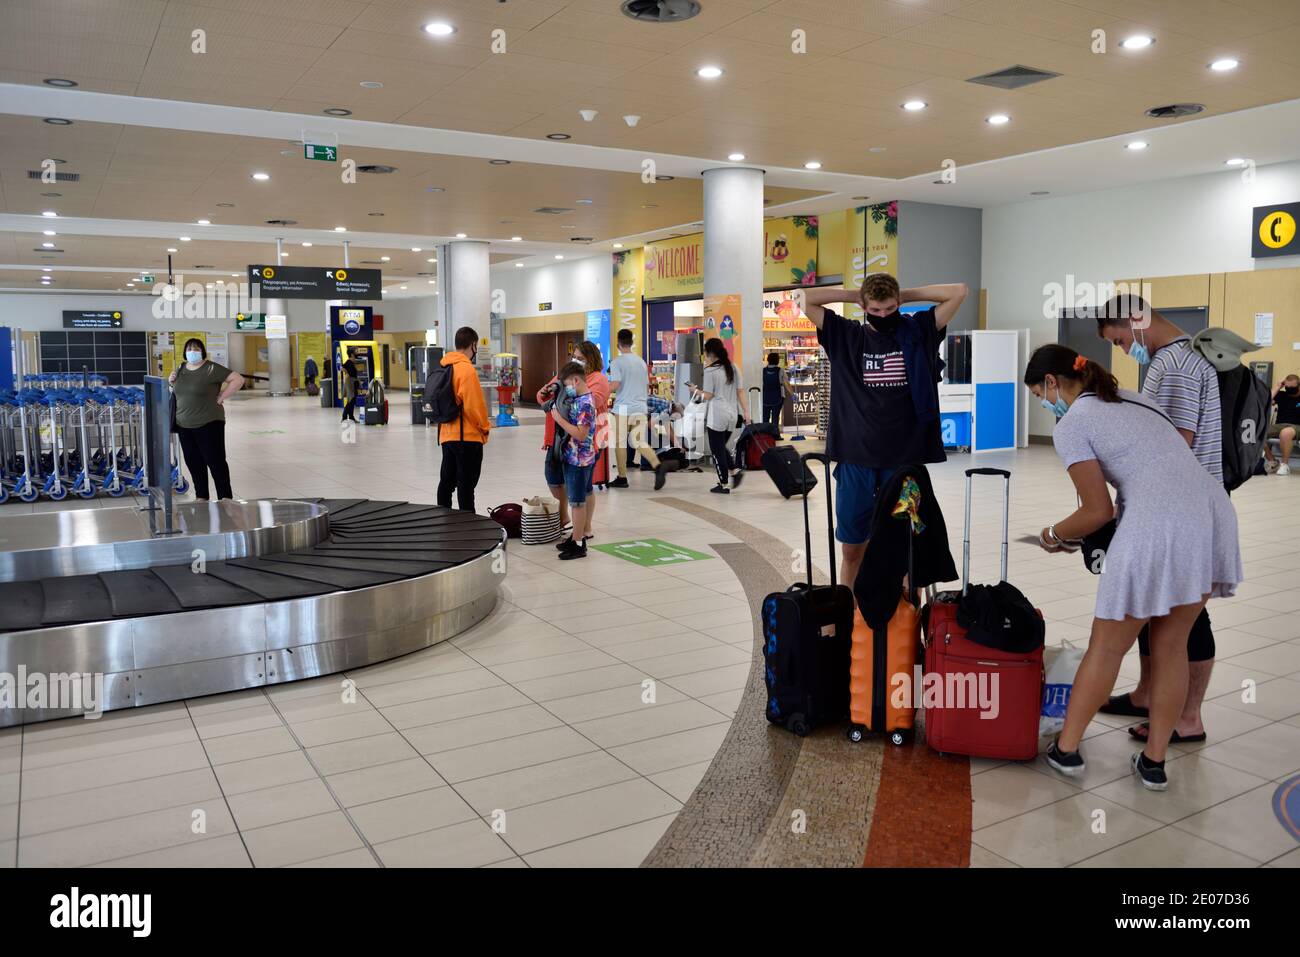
(883, 369)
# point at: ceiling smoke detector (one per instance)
(1174, 110)
(631, 119)
(660, 11)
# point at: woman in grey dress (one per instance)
(1175, 546)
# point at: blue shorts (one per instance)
(856, 487)
(577, 482)
(554, 471)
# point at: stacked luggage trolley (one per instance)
(60, 438)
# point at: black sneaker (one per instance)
(619, 482)
(720, 490)
(567, 543)
(1151, 773)
(577, 551)
(1067, 762)
(737, 478)
(659, 476)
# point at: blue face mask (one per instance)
(570, 391)
(1138, 353)
(1057, 408)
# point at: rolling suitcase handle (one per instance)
(965, 538)
(830, 517)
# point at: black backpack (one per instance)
(1245, 403)
(440, 403)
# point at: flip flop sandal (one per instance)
(1175, 738)
(1122, 704)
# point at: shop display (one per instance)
(506, 372)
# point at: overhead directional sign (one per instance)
(314, 151)
(1273, 231)
(316, 282)
(100, 319)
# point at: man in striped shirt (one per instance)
(1186, 387)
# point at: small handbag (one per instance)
(1095, 545)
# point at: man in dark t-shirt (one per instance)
(884, 394)
(1286, 396)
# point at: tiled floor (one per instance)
(529, 740)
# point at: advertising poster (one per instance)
(674, 267)
(722, 319)
(790, 251)
(882, 238)
(312, 345)
(598, 331)
(855, 256)
(629, 277)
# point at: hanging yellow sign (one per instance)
(855, 257)
(628, 290)
(790, 251)
(882, 238)
(674, 267)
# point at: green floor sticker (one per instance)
(651, 552)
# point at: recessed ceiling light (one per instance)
(439, 29)
(49, 214)
(336, 111)
(1138, 41)
(416, 249)
(372, 84)
(812, 164)
(876, 149)
(57, 121)
(434, 189)
(284, 255)
(735, 157)
(664, 179)
(48, 245)
(401, 287)
(49, 232)
(499, 162)
(559, 256)
(1235, 161)
(558, 136)
(514, 239)
(46, 269)
(585, 202)
(998, 119)
(261, 177)
(171, 249)
(340, 229)
(460, 235)
(709, 72)
(185, 239)
(234, 275)
(431, 260)
(205, 222)
(519, 265)
(1136, 145)
(618, 245)
(913, 106)
(385, 258)
(649, 205)
(130, 284)
(1224, 65)
(306, 244)
(59, 81)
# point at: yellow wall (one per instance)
(830, 244)
(560, 322)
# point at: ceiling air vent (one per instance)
(660, 11)
(1013, 77)
(1175, 109)
(582, 239)
(59, 177)
(552, 210)
(203, 266)
(43, 251)
(282, 222)
(377, 169)
(372, 262)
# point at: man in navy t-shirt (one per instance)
(884, 393)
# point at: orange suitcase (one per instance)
(882, 672)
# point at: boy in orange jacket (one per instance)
(463, 438)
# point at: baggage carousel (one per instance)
(247, 594)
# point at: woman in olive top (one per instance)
(202, 387)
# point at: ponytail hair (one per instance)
(1064, 363)
(718, 350)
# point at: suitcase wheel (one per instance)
(898, 738)
(797, 724)
(856, 733)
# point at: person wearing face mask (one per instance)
(884, 393)
(462, 439)
(1286, 396)
(1174, 548)
(577, 417)
(726, 400)
(201, 387)
(1185, 386)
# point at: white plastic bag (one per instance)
(1061, 665)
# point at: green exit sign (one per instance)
(313, 151)
(146, 279)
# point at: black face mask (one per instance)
(889, 323)
(1292, 390)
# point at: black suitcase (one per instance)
(788, 471)
(807, 632)
(377, 414)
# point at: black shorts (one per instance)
(1200, 641)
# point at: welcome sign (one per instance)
(674, 267)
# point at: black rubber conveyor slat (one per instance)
(392, 553)
(22, 605)
(337, 506)
(76, 598)
(341, 578)
(268, 585)
(356, 513)
(374, 563)
(420, 540)
(200, 590)
(138, 591)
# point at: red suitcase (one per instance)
(988, 699)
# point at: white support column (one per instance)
(465, 298)
(733, 254)
(277, 350)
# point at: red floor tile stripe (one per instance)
(923, 810)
